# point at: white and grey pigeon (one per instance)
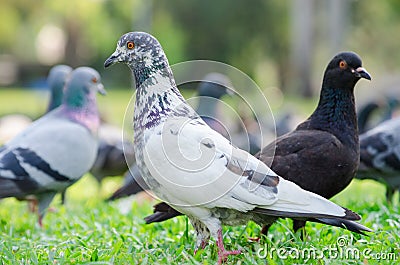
(195, 169)
(57, 149)
(380, 156)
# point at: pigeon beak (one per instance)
(114, 58)
(101, 90)
(362, 73)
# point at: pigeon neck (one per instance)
(156, 98)
(55, 100)
(336, 114)
(82, 109)
(207, 106)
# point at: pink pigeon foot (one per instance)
(222, 253)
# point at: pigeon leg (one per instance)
(44, 201)
(389, 194)
(222, 253)
(264, 231)
(32, 205)
(299, 224)
(203, 234)
(63, 196)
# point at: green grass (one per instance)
(88, 230)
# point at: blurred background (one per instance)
(284, 45)
(280, 43)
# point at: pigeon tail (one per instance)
(131, 188)
(342, 223)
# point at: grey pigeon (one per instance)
(56, 80)
(110, 159)
(195, 169)
(380, 156)
(57, 149)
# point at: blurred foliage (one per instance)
(248, 36)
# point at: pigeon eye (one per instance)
(94, 80)
(130, 45)
(343, 65)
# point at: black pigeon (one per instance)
(322, 154)
(379, 156)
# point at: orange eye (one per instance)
(130, 45)
(94, 80)
(342, 65)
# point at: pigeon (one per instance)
(322, 154)
(110, 159)
(379, 156)
(58, 148)
(56, 81)
(11, 125)
(194, 168)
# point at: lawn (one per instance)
(88, 230)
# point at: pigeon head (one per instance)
(344, 70)
(82, 86)
(56, 81)
(142, 53)
(138, 50)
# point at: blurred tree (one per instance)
(248, 35)
(234, 32)
(376, 27)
